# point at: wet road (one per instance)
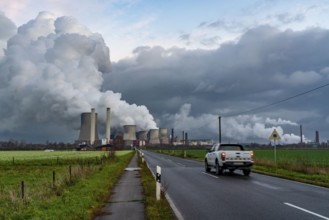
(200, 195)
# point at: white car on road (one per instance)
(229, 157)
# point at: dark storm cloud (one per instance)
(264, 66)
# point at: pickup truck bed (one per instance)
(229, 157)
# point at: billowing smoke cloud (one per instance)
(7, 29)
(52, 71)
(243, 128)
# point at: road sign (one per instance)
(275, 136)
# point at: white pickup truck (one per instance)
(229, 157)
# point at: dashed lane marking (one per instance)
(210, 175)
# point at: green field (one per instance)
(306, 165)
(77, 190)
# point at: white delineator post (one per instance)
(158, 183)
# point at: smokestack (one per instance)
(186, 139)
(172, 136)
(301, 134)
(108, 126)
(317, 137)
(92, 126)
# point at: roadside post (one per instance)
(275, 137)
(158, 183)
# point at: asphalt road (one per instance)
(198, 195)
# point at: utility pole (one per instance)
(219, 130)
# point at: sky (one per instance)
(172, 64)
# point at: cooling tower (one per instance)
(163, 136)
(154, 136)
(129, 135)
(108, 126)
(129, 132)
(86, 128)
(142, 135)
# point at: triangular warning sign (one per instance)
(275, 136)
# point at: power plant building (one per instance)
(88, 131)
(154, 136)
(129, 135)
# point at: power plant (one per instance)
(88, 130)
(88, 136)
(129, 135)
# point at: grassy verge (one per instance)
(154, 209)
(315, 179)
(80, 198)
(297, 169)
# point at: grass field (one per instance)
(81, 184)
(310, 166)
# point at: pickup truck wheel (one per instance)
(219, 170)
(246, 172)
(206, 166)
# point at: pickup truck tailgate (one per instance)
(236, 156)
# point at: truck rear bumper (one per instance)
(237, 165)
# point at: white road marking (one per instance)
(266, 185)
(174, 208)
(181, 164)
(305, 210)
(210, 175)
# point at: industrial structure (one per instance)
(88, 136)
(88, 130)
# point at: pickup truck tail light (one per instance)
(222, 155)
(252, 155)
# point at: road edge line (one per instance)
(171, 203)
(307, 211)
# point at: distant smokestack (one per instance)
(317, 137)
(108, 126)
(301, 134)
(172, 136)
(186, 138)
(92, 126)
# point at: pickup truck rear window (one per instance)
(231, 147)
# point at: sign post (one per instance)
(275, 137)
(158, 183)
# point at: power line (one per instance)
(274, 103)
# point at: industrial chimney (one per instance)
(301, 134)
(92, 126)
(317, 137)
(108, 126)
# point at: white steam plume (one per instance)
(242, 128)
(52, 70)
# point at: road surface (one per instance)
(200, 195)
